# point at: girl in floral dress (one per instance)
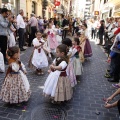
(57, 85)
(15, 88)
(38, 59)
(76, 57)
(70, 69)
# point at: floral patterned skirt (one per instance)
(64, 90)
(13, 89)
(71, 74)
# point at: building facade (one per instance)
(34, 6)
(87, 13)
(111, 8)
(14, 5)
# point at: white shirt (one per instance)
(110, 27)
(20, 22)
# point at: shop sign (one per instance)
(96, 12)
(57, 3)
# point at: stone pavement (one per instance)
(87, 98)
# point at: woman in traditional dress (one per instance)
(57, 85)
(85, 44)
(15, 88)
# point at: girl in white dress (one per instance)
(11, 40)
(57, 85)
(46, 47)
(15, 88)
(38, 58)
(58, 34)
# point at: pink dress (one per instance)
(70, 70)
(52, 42)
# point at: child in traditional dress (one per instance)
(70, 69)
(11, 40)
(58, 34)
(46, 47)
(76, 58)
(15, 88)
(38, 59)
(52, 42)
(57, 85)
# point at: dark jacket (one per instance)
(101, 29)
(65, 23)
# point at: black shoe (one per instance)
(112, 80)
(103, 45)
(22, 49)
(107, 70)
(107, 75)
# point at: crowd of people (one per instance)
(50, 42)
(108, 33)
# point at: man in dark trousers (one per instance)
(64, 23)
(21, 29)
(4, 25)
(34, 25)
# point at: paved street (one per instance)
(87, 99)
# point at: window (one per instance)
(33, 7)
(105, 1)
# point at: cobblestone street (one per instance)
(87, 98)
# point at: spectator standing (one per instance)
(93, 29)
(64, 24)
(101, 32)
(41, 24)
(21, 29)
(4, 25)
(45, 22)
(34, 26)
